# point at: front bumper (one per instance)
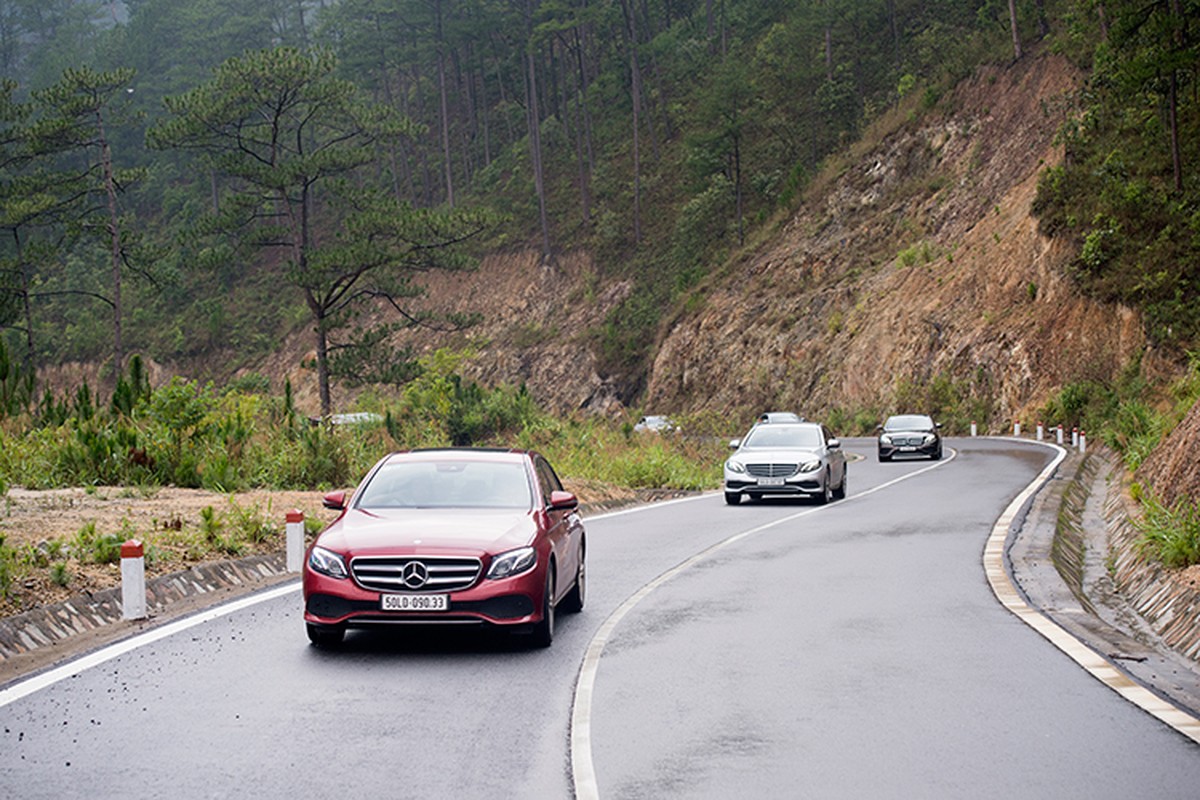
(888, 450)
(798, 485)
(508, 602)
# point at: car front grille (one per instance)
(771, 470)
(415, 573)
(908, 441)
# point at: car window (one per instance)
(450, 483)
(547, 478)
(908, 423)
(783, 436)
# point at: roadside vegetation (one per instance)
(191, 435)
(1132, 416)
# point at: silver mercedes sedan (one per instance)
(786, 459)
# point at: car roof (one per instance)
(463, 453)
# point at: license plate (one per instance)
(908, 449)
(414, 602)
(770, 481)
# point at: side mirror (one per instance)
(879, 429)
(734, 444)
(563, 501)
(335, 500)
(835, 444)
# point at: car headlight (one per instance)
(514, 562)
(885, 439)
(735, 466)
(327, 563)
(928, 438)
(811, 466)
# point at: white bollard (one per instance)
(1074, 437)
(1082, 442)
(1041, 431)
(133, 580)
(974, 429)
(1059, 435)
(1016, 428)
(295, 540)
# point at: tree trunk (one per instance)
(443, 107)
(1016, 33)
(535, 134)
(114, 233)
(1179, 41)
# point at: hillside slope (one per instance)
(920, 262)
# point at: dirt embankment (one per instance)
(922, 260)
(1173, 469)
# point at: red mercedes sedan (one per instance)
(464, 536)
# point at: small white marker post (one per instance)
(1082, 442)
(295, 539)
(1016, 428)
(133, 580)
(1059, 435)
(1074, 437)
(1041, 431)
(974, 429)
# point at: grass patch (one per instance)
(1171, 534)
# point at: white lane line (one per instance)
(1100, 668)
(72, 668)
(583, 769)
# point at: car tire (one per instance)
(937, 454)
(883, 458)
(826, 492)
(325, 635)
(543, 631)
(840, 492)
(573, 602)
(733, 498)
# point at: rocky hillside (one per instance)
(916, 260)
(920, 261)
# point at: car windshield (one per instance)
(909, 422)
(449, 483)
(807, 437)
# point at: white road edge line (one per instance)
(72, 668)
(583, 769)
(1099, 667)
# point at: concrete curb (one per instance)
(1061, 561)
(42, 627)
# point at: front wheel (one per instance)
(573, 602)
(543, 631)
(826, 491)
(733, 498)
(840, 492)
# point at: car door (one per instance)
(837, 458)
(563, 527)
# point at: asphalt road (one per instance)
(764, 650)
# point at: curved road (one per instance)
(763, 650)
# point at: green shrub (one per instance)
(1170, 535)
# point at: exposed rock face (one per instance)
(536, 317)
(1173, 469)
(922, 260)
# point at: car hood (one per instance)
(408, 530)
(775, 455)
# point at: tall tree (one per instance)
(294, 141)
(74, 120)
